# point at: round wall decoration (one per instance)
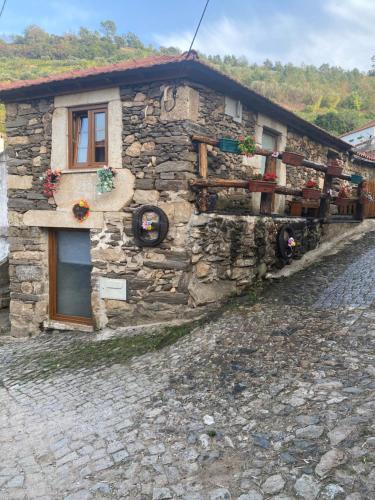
(286, 242)
(150, 225)
(81, 210)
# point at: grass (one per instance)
(86, 355)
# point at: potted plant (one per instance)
(343, 198)
(263, 184)
(310, 190)
(81, 210)
(106, 176)
(247, 145)
(291, 158)
(335, 167)
(50, 182)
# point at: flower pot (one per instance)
(343, 202)
(311, 194)
(229, 146)
(294, 159)
(356, 178)
(334, 170)
(262, 186)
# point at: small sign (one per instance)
(110, 288)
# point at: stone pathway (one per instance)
(274, 401)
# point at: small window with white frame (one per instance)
(233, 108)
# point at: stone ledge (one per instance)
(58, 325)
(61, 219)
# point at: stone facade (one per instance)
(203, 259)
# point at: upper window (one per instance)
(88, 137)
(233, 108)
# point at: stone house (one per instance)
(138, 117)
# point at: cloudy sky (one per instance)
(339, 32)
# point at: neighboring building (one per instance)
(362, 139)
(138, 117)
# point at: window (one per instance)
(233, 108)
(88, 137)
(269, 141)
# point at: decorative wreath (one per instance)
(50, 182)
(150, 225)
(81, 210)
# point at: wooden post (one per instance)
(203, 171)
(360, 211)
(267, 199)
(326, 199)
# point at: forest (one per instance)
(333, 98)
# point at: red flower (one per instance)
(311, 184)
(270, 177)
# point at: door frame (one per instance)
(52, 265)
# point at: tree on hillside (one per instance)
(338, 122)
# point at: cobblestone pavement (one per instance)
(272, 400)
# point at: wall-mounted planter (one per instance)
(262, 186)
(356, 178)
(294, 159)
(344, 202)
(311, 194)
(229, 146)
(334, 170)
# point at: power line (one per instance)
(196, 31)
(3, 7)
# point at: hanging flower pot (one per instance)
(229, 146)
(50, 182)
(310, 191)
(356, 178)
(247, 145)
(265, 184)
(106, 176)
(81, 210)
(335, 168)
(294, 159)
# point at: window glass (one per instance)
(269, 141)
(88, 138)
(73, 274)
(82, 137)
(99, 137)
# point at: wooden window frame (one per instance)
(52, 264)
(91, 110)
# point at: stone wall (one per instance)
(203, 258)
(229, 253)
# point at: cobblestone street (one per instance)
(248, 406)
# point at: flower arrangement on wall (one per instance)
(247, 145)
(106, 177)
(50, 182)
(81, 210)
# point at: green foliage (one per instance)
(330, 96)
(338, 122)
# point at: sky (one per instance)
(338, 32)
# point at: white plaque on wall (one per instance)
(110, 288)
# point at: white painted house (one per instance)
(360, 135)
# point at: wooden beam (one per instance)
(266, 199)
(203, 163)
(234, 183)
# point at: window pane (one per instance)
(82, 124)
(99, 127)
(100, 137)
(73, 274)
(269, 141)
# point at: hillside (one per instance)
(333, 98)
